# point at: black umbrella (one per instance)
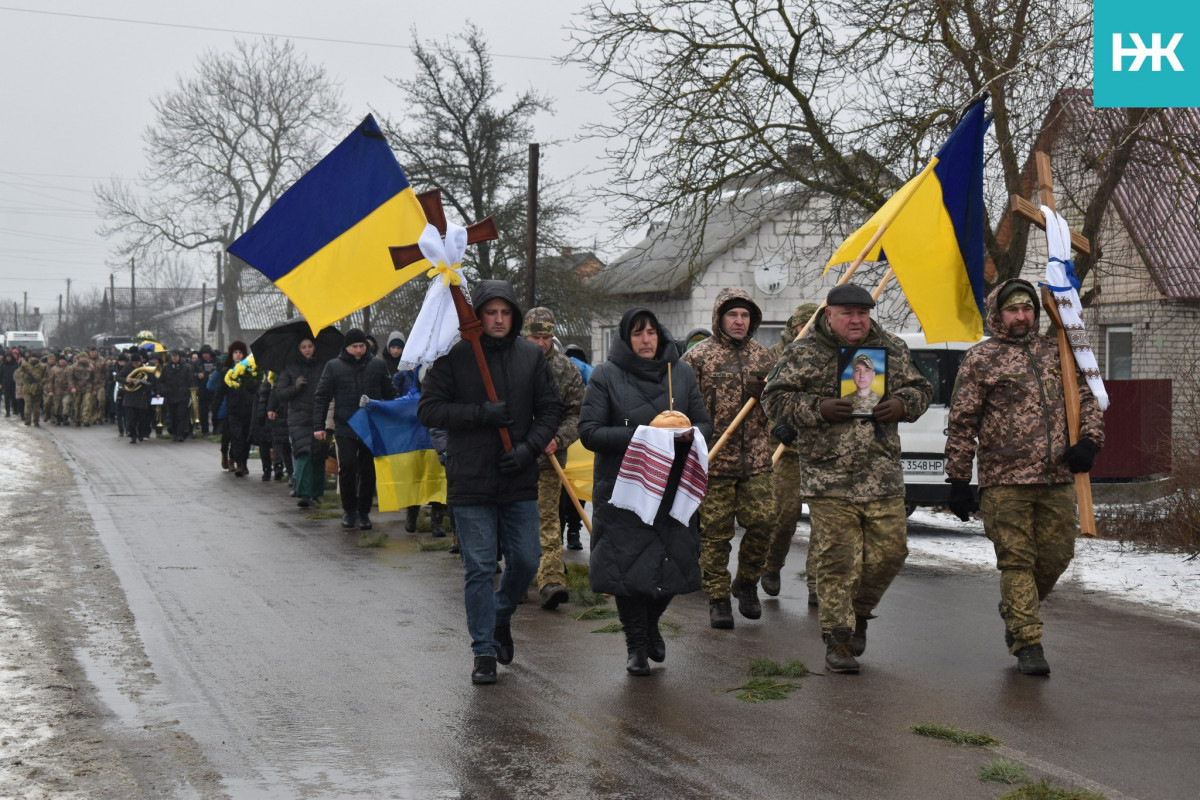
(279, 344)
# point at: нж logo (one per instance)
(1139, 52)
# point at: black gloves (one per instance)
(493, 415)
(755, 388)
(835, 409)
(890, 410)
(962, 501)
(784, 433)
(520, 458)
(1079, 456)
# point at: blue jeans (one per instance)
(515, 525)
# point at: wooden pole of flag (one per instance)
(1066, 358)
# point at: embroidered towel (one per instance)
(642, 479)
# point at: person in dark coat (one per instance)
(294, 389)
(177, 381)
(8, 382)
(643, 566)
(346, 381)
(139, 387)
(237, 387)
(203, 369)
(261, 432)
(493, 492)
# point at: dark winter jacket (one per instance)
(629, 557)
(177, 381)
(298, 400)
(453, 391)
(8, 373)
(343, 382)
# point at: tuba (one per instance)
(137, 377)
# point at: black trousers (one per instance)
(356, 475)
(178, 420)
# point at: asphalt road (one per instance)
(305, 666)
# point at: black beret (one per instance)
(847, 294)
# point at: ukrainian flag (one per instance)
(407, 471)
(325, 241)
(580, 462)
(933, 237)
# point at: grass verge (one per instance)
(936, 730)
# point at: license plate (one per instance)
(923, 466)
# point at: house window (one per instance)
(1118, 348)
(768, 333)
(607, 333)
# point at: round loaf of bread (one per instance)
(671, 419)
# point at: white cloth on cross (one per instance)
(1060, 279)
(436, 328)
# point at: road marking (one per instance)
(1062, 773)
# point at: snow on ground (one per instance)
(1166, 582)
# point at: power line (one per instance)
(246, 33)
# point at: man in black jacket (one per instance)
(177, 381)
(350, 379)
(493, 492)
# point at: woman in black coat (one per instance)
(238, 391)
(294, 388)
(643, 566)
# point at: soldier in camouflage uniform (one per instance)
(731, 368)
(56, 405)
(1009, 397)
(552, 575)
(33, 376)
(93, 404)
(80, 376)
(850, 471)
(785, 480)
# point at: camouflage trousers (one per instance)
(785, 481)
(751, 501)
(55, 408)
(551, 568)
(1033, 530)
(77, 402)
(33, 407)
(91, 408)
(859, 549)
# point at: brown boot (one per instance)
(838, 654)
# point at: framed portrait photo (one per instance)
(862, 377)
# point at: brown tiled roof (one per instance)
(1158, 197)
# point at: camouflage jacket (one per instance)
(82, 376)
(724, 366)
(570, 389)
(60, 379)
(858, 460)
(32, 375)
(1009, 398)
(791, 329)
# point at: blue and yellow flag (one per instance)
(407, 471)
(933, 237)
(325, 241)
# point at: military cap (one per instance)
(863, 358)
(848, 294)
(538, 320)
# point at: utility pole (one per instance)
(132, 298)
(68, 301)
(219, 307)
(25, 313)
(203, 289)
(112, 301)
(531, 227)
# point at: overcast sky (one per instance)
(79, 76)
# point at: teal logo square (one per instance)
(1146, 54)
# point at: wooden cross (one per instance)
(1066, 359)
(469, 326)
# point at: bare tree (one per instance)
(844, 98)
(227, 141)
(457, 136)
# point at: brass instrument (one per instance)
(138, 374)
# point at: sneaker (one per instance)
(485, 670)
(839, 657)
(720, 613)
(746, 592)
(364, 522)
(1031, 660)
(349, 520)
(553, 594)
(503, 637)
(771, 582)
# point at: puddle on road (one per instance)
(100, 674)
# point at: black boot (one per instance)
(746, 592)
(410, 522)
(656, 648)
(1031, 660)
(858, 640)
(505, 651)
(771, 582)
(436, 512)
(720, 613)
(838, 654)
(573, 542)
(633, 613)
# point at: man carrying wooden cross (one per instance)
(1009, 397)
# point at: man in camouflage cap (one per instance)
(552, 576)
(33, 376)
(785, 480)
(850, 466)
(731, 368)
(1009, 397)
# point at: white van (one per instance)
(923, 443)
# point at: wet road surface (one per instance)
(307, 667)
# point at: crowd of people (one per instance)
(664, 511)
